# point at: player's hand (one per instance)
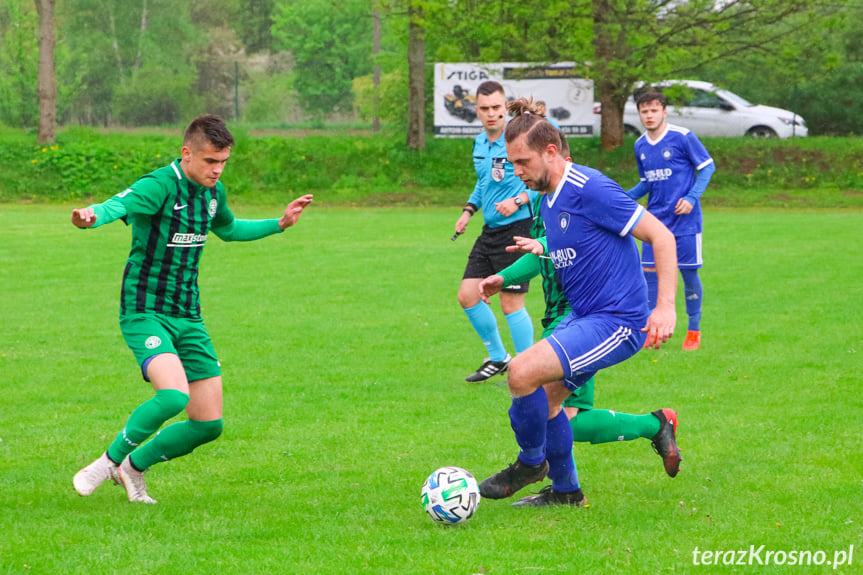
(462, 222)
(490, 286)
(84, 218)
(526, 246)
(294, 211)
(506, 208)
(683, 207)
(660, 325)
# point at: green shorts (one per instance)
(149, 334)
(582, 398)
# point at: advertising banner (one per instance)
(568, 96)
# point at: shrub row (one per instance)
(338, 168)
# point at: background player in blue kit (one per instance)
(590, 224)
(504, 202)
(669, 157)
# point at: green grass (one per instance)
(344, 353)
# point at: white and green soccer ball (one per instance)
(450, 495)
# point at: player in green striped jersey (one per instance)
(588, 424)
(171, 212)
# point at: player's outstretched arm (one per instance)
(526, 246)
(660, 324)
(294, 211)
(84, 217)
(490, 286)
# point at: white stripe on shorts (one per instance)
(600, 351)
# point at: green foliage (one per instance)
(324, 453)
(155, 96)
(332, 44)
(269, 98)
(818, 71)
(393, 99)
(379, 170)
(19, 54)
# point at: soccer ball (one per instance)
(450, 495)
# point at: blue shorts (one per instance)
(688, 252)
(586, 345)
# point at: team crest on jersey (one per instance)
(563, 221)
(211, 209)
(153, 342)
(666, 154)
(498, 169)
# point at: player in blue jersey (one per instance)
(590, 225)
(504, 202)
(675, 169)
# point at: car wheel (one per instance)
(761, 132)
(631, 131)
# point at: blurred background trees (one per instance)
(277, 63)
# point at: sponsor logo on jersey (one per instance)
(153, 342)
(498, 169)
(211, 209)
(563, 221)
(658, 175)
(124, 193)
(178, 207)
(187, 240)
(562, 258)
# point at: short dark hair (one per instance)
(210, 128)
(563, 151)
(530, 120)
(489, 87)
(650, 96)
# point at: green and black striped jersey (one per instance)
(556, 304)
(170, 217)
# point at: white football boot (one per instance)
(88, 479)
(133, 481)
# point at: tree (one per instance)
(652, 39)
(416, 77)
(47, 89)
(19, 59)
(332, 43)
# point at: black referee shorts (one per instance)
(489, 254)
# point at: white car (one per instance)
(710, 111)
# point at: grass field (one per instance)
(344, 352)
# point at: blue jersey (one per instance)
(495, 181)
(668, 167)
(588, 221)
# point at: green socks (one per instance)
(604, 426)
(146, 420)
(176, 440)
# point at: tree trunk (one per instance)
(376, 78)
(116, 47)
(416, 139)
(47, 87)
(611, 127)
(141, 36)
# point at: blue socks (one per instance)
(693, 291)
(652, 288)
(483, 321)
(521, 328)
(691, 288)
(528, 416)
(540, 438)
(558, 446)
